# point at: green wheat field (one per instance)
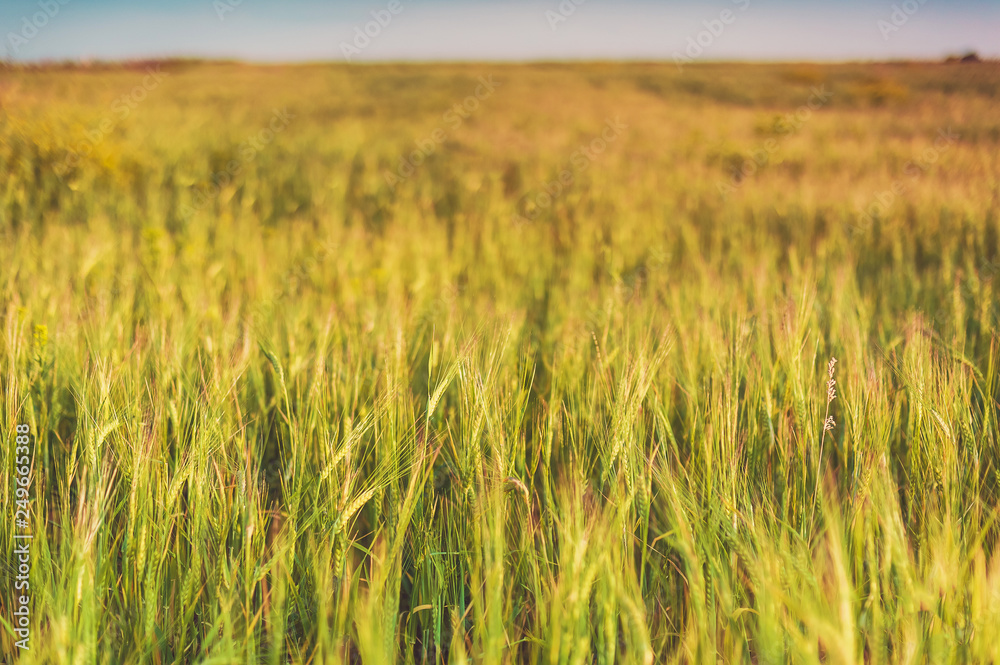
(480, 363)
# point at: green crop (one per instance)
(314, 373)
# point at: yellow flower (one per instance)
(41, 337)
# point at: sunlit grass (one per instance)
(301, 413)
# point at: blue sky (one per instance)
(295, 30)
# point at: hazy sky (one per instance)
(267, 30)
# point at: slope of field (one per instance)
(500, 364)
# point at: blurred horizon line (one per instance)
(519, 31)
(957, 58)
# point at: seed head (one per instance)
(512, 484)
(831, 384)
